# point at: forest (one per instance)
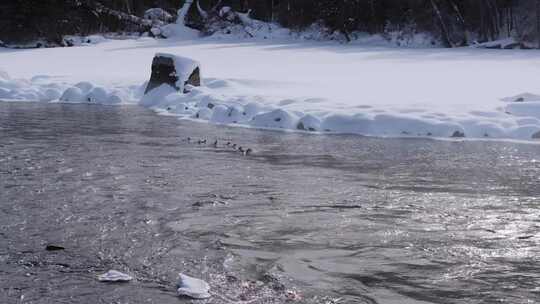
(454, 23)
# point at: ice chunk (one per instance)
(192, 287)
(114, 276)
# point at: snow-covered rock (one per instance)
(192, 287)
(73, 94)
(84, 86)
(522, 98)
(158, 15)
(85, 92)
(309, 123)
(176, 71)
(97, 95)
(277, 119)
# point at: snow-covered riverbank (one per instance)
(320, 86)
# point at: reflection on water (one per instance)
(362, 220)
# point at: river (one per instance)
(302, 218)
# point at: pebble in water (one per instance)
(114, 276)
(192, 287)
(54, 248)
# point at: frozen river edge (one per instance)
(374, 91)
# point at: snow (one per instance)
(294, 84)
(72, 40)
(157, 15)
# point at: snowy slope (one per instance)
(332, 87)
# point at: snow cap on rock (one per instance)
(175, 71)
(184, 67)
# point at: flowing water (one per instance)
(302, 219)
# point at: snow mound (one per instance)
(158, 97)
(48, 89)
(178, 32)
(524, 109)
(36, 89)
(85, 92)
(216, 104)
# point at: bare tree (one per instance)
(444, 28)
(183, 11)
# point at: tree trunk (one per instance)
(444, 28)
(183, 11)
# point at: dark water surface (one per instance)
(304, 219)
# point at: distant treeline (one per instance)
(455, 22)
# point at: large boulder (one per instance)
(176, 71)
(536, 135)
